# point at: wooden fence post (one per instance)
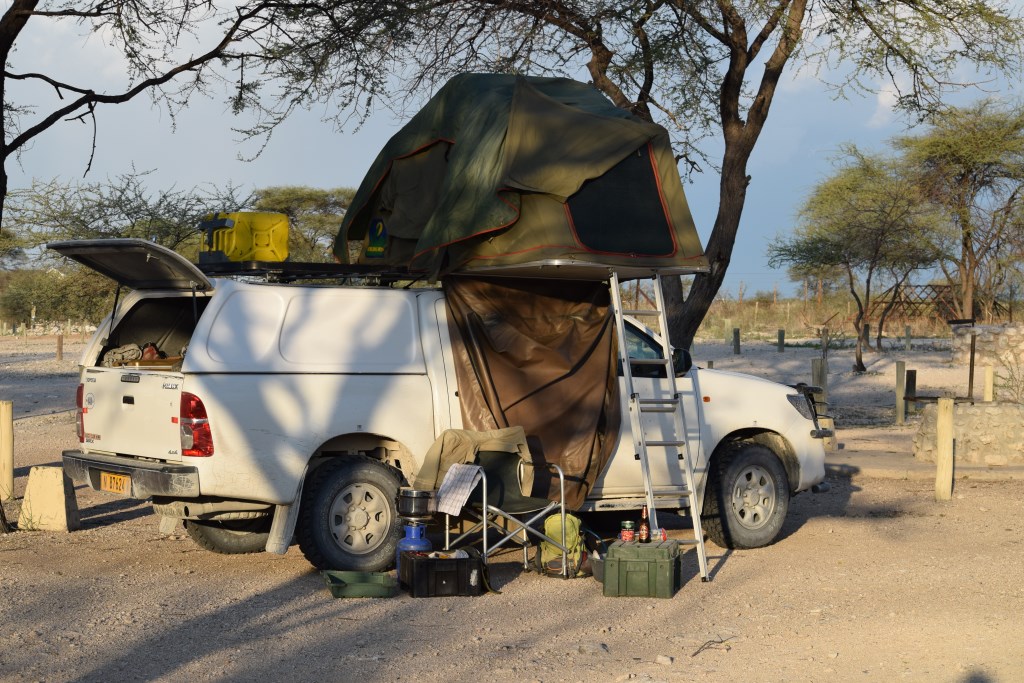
(60, 347)
(944, 450)
(906, 338)
(819, 378)
(6, 450)
(736, 341)
(990, 384)
(782, 341)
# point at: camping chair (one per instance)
(498, 505)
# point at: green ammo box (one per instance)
(642, 570)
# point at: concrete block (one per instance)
(168, 525)
(49, 503)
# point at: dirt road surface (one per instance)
(870, 581)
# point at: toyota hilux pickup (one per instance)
(261, 413)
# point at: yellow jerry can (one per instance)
(244, 236)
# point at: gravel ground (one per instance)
(872, 580)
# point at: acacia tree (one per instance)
(869, 220)
(971, 163)
(713, 68)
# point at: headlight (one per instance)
(802, 405)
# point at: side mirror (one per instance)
(681, 361)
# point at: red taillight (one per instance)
(80, 413)
(196, 439)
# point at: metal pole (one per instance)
(782, 341)
(910, 389)
(970, 375)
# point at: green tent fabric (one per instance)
(518, 173)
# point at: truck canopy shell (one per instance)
(524, 176)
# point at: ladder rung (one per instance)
(666, 443)
(643, 311)
(657, 409)
(648, 361)
(659, 401)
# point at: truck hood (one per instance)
(135, 263)
(718, 378)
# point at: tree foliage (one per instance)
(120, 207)
(869, 220)
(970, 161)
(69, 293)
(264, 56)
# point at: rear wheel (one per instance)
(747, 497)
(234, 537)
(348, 518)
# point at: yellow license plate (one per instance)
(115, 483)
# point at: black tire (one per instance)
(747, 497)
(235, 537)
(348, 518)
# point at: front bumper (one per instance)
(147, 478)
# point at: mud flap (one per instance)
(282, 529)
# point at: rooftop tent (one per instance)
(524, 176)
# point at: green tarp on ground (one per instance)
(513, 172)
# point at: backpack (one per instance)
(548, 559)
(122, 354)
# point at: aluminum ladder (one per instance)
(677, 448)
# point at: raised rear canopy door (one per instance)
(135, 263)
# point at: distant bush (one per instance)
(74, 293)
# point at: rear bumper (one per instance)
(147, 478)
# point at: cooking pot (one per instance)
(413, 503)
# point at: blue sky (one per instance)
(796, 150)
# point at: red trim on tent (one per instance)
(476, 234)
(391, 162)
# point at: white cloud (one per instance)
(885, 107)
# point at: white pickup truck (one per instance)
(287, 411)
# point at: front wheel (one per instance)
(747, 497)
(348, 517)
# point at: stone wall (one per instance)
(993, 344)
(983, 433)
(998, 346)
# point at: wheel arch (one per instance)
(771, 440)
(386, 450)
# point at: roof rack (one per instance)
(294, 271)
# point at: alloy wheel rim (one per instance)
(359, 518)
(753, 497)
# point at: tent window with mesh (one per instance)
(625, 197)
